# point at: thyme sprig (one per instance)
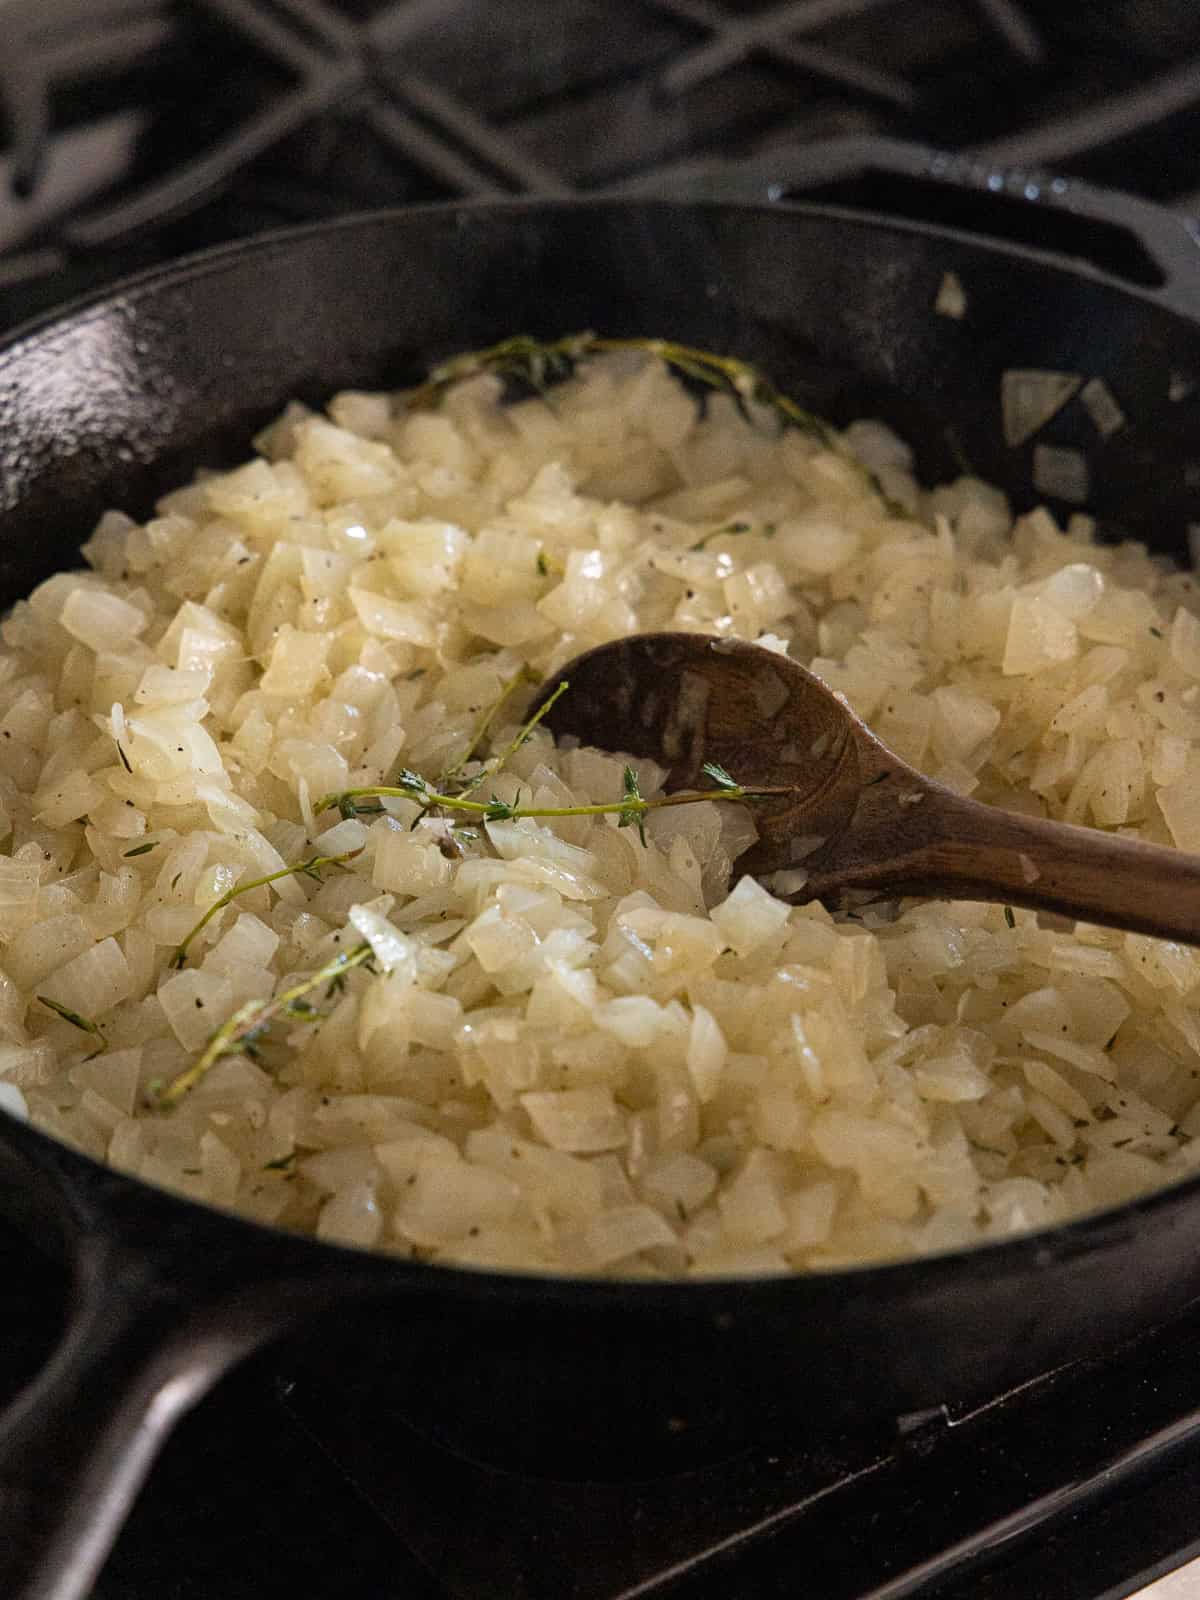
(629, 809)
(539, 363)
(412, 787)
(309, 868)
(241, 1033)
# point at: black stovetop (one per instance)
(300, 1475)
(132, 131)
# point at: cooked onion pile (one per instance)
(577, 1051)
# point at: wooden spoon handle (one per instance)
(962, 850)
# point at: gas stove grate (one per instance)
(774, 33)
(139, 128)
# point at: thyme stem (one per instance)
(515, 744)
(311, 868)
(484, 724)
(631, 806)
(252, 1018)
(493, 766)
(539, 362)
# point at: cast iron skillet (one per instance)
(121, 398)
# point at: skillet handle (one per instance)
(1152, 249)
(77, 1442)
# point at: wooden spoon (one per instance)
(853, 815)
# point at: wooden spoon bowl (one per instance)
(853, 816)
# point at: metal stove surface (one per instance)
(134, 130)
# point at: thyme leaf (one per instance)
(84, 1024)
(411, 783)
(719, 776)
(141, 849)
(727, 530)
(633, 812)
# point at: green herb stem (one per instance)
(490, 768)
(249, 1021)
(311, 868)
(628, 808)
(539, 363)
(527, 728)
(485, 722)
